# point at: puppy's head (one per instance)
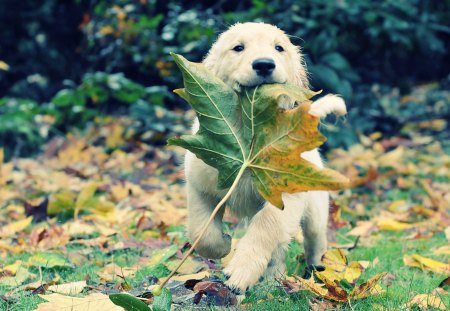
(251, 54)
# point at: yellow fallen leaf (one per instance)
(78, 228)
(15, 227)
(10, 248)
(189, 266)
(85, 195)
(12, 268)
(4, 66)
(392, 225)
(61, 201)
(443, 250)
(426, 302)
(398, 206)
(391, 158)
(93, 302)
(68, 288)
(337, 267)
(115, 138)
(119, 192)
(426, 263)
(22, 274)
(363, 228)
(183, 278)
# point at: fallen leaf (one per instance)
(112, 271)
(77, 227)
(183, 278)
(332, 290)
(93, 302)
(426, 264)
(426, 301)
(392, 225)
(68, 288)
(162, 255)
(49, 260)
(363, 228)
(320, 305)
(22, 274)
(337, 267)
(217, 293)
(443, 250)
(14, 227)
(188, 267)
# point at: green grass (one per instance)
(388, 249)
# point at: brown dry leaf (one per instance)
(445, 282)
(113, 272)
(68, 288)
(329, 290)
(426, 302)
(321, 305)
(93, 302)
(426, 264)
(217, 292)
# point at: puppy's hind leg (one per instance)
(314, 225)
(214, 243)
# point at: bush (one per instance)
(111, 56)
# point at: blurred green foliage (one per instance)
(70, 61)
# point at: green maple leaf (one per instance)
(248, 130)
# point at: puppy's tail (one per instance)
(328, 104)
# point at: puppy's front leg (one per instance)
(328, 104)
(269, 229)
(214, 244)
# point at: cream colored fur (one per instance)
(270, 230)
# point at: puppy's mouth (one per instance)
(237, 86)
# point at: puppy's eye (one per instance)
(238, 48)
(279, 48)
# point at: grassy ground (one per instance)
(115, 220)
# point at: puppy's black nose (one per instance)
(263, 66)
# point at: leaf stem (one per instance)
(213, 214)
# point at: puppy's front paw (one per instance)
(213, 248)
(243, 274)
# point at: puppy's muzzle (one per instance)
(263, 66)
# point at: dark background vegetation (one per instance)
(65, 63)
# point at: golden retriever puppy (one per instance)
(251, 54)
